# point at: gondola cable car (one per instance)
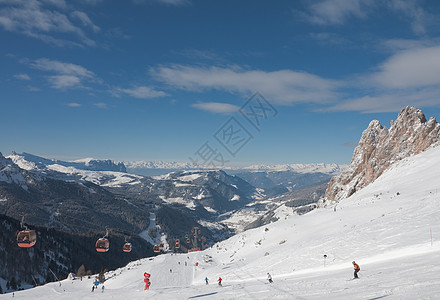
(127, 246)
(177, 244)
(103, 244)
(156, 249)
(26, 238)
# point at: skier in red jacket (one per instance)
(147, 281)
(219, 281)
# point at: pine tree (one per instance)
(13, 284)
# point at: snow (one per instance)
(153, 227)
(235, 198)
(190, 177)
(385, 227)
(104, 178)
(179, 200)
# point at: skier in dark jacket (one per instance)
(356, 269)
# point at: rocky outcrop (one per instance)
(380, 147)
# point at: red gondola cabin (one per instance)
(26, 238)
(127, 247)
(156, 248)
(102, 245)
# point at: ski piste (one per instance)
(387, 233)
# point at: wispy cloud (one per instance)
(336, 11)
(409, 77)
(101, 105)
(73, 104)
(142, 92)
(397, 45)
(67, 75)
(64, 81)
(417, 15)
(46, 20)
(281, 87)
(58, 3)
(217, 107)
(417, 67)
(85, 20)
(22, 76)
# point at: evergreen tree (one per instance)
(13, 284)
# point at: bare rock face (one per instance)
(380, 147)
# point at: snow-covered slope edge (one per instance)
(385, 227)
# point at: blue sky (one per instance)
(156, 79)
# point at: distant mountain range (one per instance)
(154, 167)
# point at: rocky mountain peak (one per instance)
(379, 147)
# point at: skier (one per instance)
(356, 270)
(147, 281)
(102, 289)
(269, 278)
(206, 280)
(219, 281)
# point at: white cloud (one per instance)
(64, 81)
(73, 104)
(56, 66)
(409, 77)
(411, 10)
(337, 11)
(34, 19)
(396, 45)
(22, 76)
(217, 107)
(280, 87)
(67, 75)
(58, 3)
(417, 67)
(84, 18)
(100, 105)
(142, 92)
(390, 101)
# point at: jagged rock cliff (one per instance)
(379, 147)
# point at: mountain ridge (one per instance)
(380, 147)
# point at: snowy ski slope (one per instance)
(386, 227)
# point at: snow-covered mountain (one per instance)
(29, 161)
(380, 147)
(299, 168)
(100, 172)
(331, 169)
(385, 227)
